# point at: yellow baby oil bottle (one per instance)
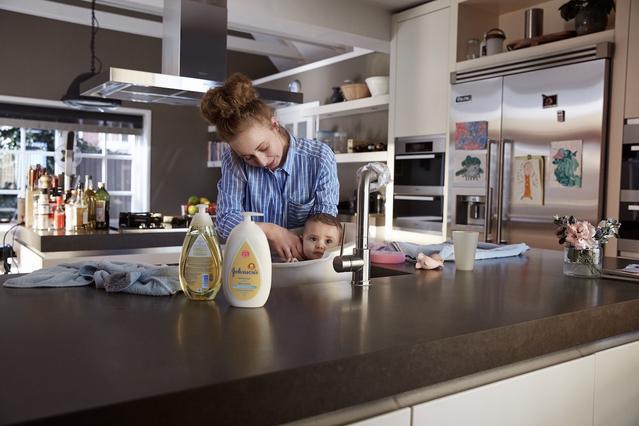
(201, 259)
(247, 265)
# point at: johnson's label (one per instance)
(100, 211)
(244, 276)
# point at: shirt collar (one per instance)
(290, 155)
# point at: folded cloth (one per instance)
(447, 253)
(122, 277)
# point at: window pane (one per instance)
(8, 205)
(8, 171)
(119, 203)
(91, 167)
(88, 143)
(119, 175)
(301, 129)
(40, 140)
(119, 144)
(47, 161)
(9, 137)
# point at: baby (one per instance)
(321, 232)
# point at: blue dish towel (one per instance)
(122, 277)
(447, 252)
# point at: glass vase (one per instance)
(590, 20)
(583, 263)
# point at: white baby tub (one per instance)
(317, 270)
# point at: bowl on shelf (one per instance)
(354, 91)
(377, 85)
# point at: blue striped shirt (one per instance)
(304, 185)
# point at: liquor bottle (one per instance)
(28, 198)
(89, 195)
(69, 212)
(80, 209)
(102, 201)
(59, 214)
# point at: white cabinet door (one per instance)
(560, 395)
(617, 386)
(422, 78)
(395, 418)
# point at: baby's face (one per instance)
(317, 238)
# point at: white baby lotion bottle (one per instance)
(247, 265)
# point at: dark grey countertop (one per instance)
(97, 240)
(80, 356)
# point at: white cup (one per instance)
(465, 245)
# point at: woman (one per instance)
(267, 170)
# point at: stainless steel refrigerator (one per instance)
(525, 145)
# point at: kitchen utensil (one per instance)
(354, 91)
(377, 85)
(494, 41)
(472, 48)
(533, 23)
(465, 244)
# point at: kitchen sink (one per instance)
(378, 271)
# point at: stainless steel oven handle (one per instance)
(415, 157)
(633, 207)
(414, 197)
(488, 212)
(634, 147)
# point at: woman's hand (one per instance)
(286, 244)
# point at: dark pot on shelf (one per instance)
(336, 96)
(590, 20)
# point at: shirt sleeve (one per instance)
(327, 189)
(231, 191)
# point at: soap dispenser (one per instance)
(247, 265)
(201, 259)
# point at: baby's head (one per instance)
(321, 232)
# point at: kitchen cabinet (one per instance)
(421, 71)
(557, 395)
(617, 386)
(394, 418)
(632, 80)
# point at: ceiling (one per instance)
(395, 5)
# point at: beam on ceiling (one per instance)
(247, 45)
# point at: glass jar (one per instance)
(583, 263)
(472, 48)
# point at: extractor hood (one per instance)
(193, 61)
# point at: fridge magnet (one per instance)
(566, 158)
(528, 175)
(472, 135)
(469, 167)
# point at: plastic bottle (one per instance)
(201, 259)
(247, 265)
(58, 214)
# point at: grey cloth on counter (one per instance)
(148, 280)
(446, 250)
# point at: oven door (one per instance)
(421, 174)
(418, 213)
(630, 158)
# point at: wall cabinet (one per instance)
(632, 82)
(421, 74)
(617, 386)
(559, 395)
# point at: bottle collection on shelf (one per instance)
(51, 206)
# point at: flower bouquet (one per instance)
(583, 244)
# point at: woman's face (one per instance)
(260, 145)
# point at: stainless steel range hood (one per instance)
(193, 61)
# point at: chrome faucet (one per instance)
(359, 261)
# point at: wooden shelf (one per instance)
(358, 106)
(362, 157)
(356, 157)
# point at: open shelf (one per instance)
(358, 106)
(362, 157)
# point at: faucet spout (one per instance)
(359, 262)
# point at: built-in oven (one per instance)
(420, 165)
(629, 197)
(418, 199)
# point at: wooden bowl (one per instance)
(355, 91)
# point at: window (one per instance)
(107, 148)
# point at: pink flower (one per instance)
(581, 235)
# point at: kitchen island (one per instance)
(80, 356)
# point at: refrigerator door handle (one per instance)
(488, 211)
(500, 189)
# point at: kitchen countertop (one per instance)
(81, 356)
